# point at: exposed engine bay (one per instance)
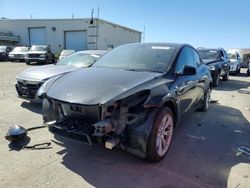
(124, 123)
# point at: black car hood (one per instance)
(210, 61)
(99, 85)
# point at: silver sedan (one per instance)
(30, 80)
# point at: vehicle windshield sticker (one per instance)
(160, 47)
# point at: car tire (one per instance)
(206, 100)
(238, 71)
(47, 61)
(27, 62)
(161, 135)
(53, 59)
(216, 80)
(226, 76)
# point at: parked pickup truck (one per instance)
(40, 54)
(218, 63)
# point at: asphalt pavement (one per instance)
(203, 153)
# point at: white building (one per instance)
(78, 34)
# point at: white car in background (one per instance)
(18, 53)
(234, 62)
(30, 80)
(65, 53)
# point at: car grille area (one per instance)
(75, 120)
(27, 90)
(75, 128)
(34, 55)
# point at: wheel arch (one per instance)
(170, 103)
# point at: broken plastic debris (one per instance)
(244, 150)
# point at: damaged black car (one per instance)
(131, 98)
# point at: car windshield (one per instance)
(138, 57)
(38, 48)
(209, 54)
(20, 49)
(3, 48)
(231, 56)
(79, 60)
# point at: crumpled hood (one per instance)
(97, 85)
(44, 72)
(36, 52)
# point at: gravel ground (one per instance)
(203, 152)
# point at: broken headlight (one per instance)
(129, 111)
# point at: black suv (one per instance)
(218, 63)
(40, 54)
(4, 52)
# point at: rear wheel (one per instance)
(206, 101)
(161, 135)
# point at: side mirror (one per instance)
(188, 70)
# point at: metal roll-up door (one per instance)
(76, 40)
(38, 36)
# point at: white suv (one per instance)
(234, 62)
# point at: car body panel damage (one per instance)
(127, 122)
(132, 102)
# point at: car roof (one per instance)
(209, 49)
(167, 44)
(21, 47)
(40, 46)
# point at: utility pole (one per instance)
(144, 31)
(97, 26)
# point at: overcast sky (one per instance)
(201, 23)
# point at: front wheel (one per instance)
(238, 71)
(161, 135)
(226, 76)
(216, 80)
(47, 61)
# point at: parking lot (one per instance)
(203, 152)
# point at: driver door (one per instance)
(186, 85)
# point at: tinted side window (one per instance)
(197, 58)
(186, 57)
